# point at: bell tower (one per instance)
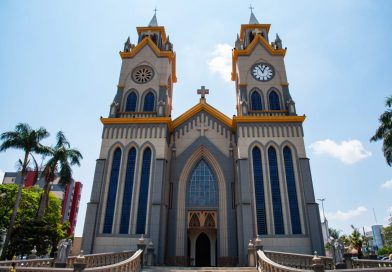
(259, 72)
(145, 87)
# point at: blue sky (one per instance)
(59, 67)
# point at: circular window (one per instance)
(142, 74)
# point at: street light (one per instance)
(322, 205)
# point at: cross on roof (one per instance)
(203, 91)
(251, 8)
(155, 10)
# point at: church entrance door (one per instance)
(203, 250)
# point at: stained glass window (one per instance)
(275, 190)
(128, 188)
(202, 191)
(112, 192)
(274, 101)
(149, 100)
(292, 191)
(143, 193)
(259, 191)
(131, 102)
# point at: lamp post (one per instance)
(325, 220)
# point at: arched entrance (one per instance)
(203, 250)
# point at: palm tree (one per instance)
(61, 158)
(27, 139)
(384, 131)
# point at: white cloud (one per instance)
(345, 216)
(221, 61)
(387, 184)
(1, 176)
(348, 152)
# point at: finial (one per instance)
(154, 21)
(203, 91)
(155, 11)
(252, 20)
(251, 8)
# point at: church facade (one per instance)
(200, 186)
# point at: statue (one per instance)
(63, 250)
(113, 109)
(338, 251)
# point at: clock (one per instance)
(262, 71)
(142, 74)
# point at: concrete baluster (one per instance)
(317, 266)
(79, 263)
(251, 254)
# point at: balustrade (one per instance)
(361, 263)
(300, 261)
(140, 114)
(267, 112)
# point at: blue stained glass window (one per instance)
(259, 191)
(112, 192)
(275, 190)
(149, 100)
(143, 193)
(274, 101)
(128, 188)
(202, 191)
(131, 102)
(292, 191)
(256, 101)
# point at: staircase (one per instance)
(200, 269)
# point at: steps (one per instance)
(200, 269)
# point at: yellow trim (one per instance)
(160, 29)
(267, 119)
(165, 54)
(252, 26)
(248, 51)
(199, 107)
(284, 84)
(149, 120)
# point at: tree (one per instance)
(384, 131)
(387, 233)
(28, 231)
(27, 139)
(356, 240)
(61, 158)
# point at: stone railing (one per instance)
(267, 112)
(137, 114)
(29, 263)
(107, 262)
(300, 261)
(265, 264)
(361, 263)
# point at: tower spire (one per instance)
(154, 21)
(252, 20)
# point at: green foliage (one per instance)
(384, 131)
(334, 233)
(387, 234)
(384, 251)
(356, 240)
(28, 231)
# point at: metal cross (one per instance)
(155, 10)
(203, 91)
(202, 128)
(251, 8)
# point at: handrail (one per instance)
(131, 265)
(266, 264)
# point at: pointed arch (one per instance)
(256, 100)
(128, 190)
(131, 103)
(259, 191)
(292, 191)
(143, 192)
(112, 191)
(149, 101)
(201, 152)
(275, 190)
(274, 100)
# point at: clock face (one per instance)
(262, 72)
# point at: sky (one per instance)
(59, 68)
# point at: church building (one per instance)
(201, 186)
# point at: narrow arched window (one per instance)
(274, 101)
(292, 191)
(275, 191)
(112, 192)
(202, 191)
(143, 193)
(128, 189)
(149, 101)
(256, 101)
(259, 191)
(131, 102)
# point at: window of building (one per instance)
(143, 193)
(128, 189)
(255, 98)
(112, 192)
(275, 191)
(292, 191)
(149, 101)
(131, 102)
(202, 191)
(259, 191)
(274, 102)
